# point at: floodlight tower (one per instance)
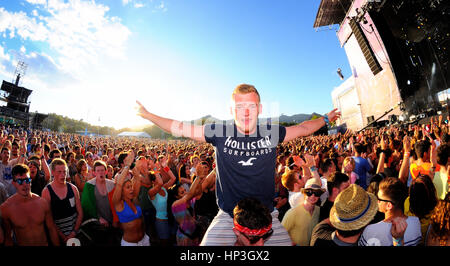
(19, 73)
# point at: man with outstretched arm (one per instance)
(245, 153)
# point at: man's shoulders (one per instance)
(323, 228)
(38, 199)
(413, 220)
(375, 229)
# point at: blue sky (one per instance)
(91, 60)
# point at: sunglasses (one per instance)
(384, 200)
(22, 180)
(316, 193)
(254, 239)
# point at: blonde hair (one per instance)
(244, 89)
(348, 160)
(57, 161)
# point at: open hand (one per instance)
(141, 111)
(334, 115)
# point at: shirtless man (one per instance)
(25, 213)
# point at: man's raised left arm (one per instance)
(306, 128)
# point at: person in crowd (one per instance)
(252, 223)
(299, 221)
(348, 167)
(142, 187)
(184, 176)
(391, 196)
(362, 165)
(15, 146)
(56, 153)
(422, 165)
(239, 172)
(39, 173)
(206, 207)
(82, 175)
(110, 173)
(373, 188)
(64, 200)
(438, 233)
(71, 165)
(5, 171)
(158, 196)
(352, 210)
(327, 168)
(188, 233)
(130, 214)
(440, 179)
(336, 183)
(26, 214)
(421, 201)
(294, 182)
(96, 201)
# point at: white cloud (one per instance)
(126, 2)
(3, 55)
(37, 2)
(161, 7)
(23, 49)
(20, 23)
(79, 32)
(138, 5)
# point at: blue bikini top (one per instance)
(128, 215)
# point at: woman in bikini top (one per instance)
(130, 215)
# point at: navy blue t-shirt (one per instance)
(245, 163)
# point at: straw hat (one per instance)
(353, 209)
(313, 183)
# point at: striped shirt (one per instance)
(64, 210)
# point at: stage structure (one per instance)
(17, 109)
(398, 53)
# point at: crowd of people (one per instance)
(385, 186)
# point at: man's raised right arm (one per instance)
(174, 127)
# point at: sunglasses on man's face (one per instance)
(316, 193)
(254, 239)
(22, 180)
(383, 200)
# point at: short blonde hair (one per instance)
(57, 161)
(348, 160)
(244, 89)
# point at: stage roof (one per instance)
(15, 90)
(134, 134)
(331, 12)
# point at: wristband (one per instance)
(397, 241)
(313, 168)
(326, 120)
